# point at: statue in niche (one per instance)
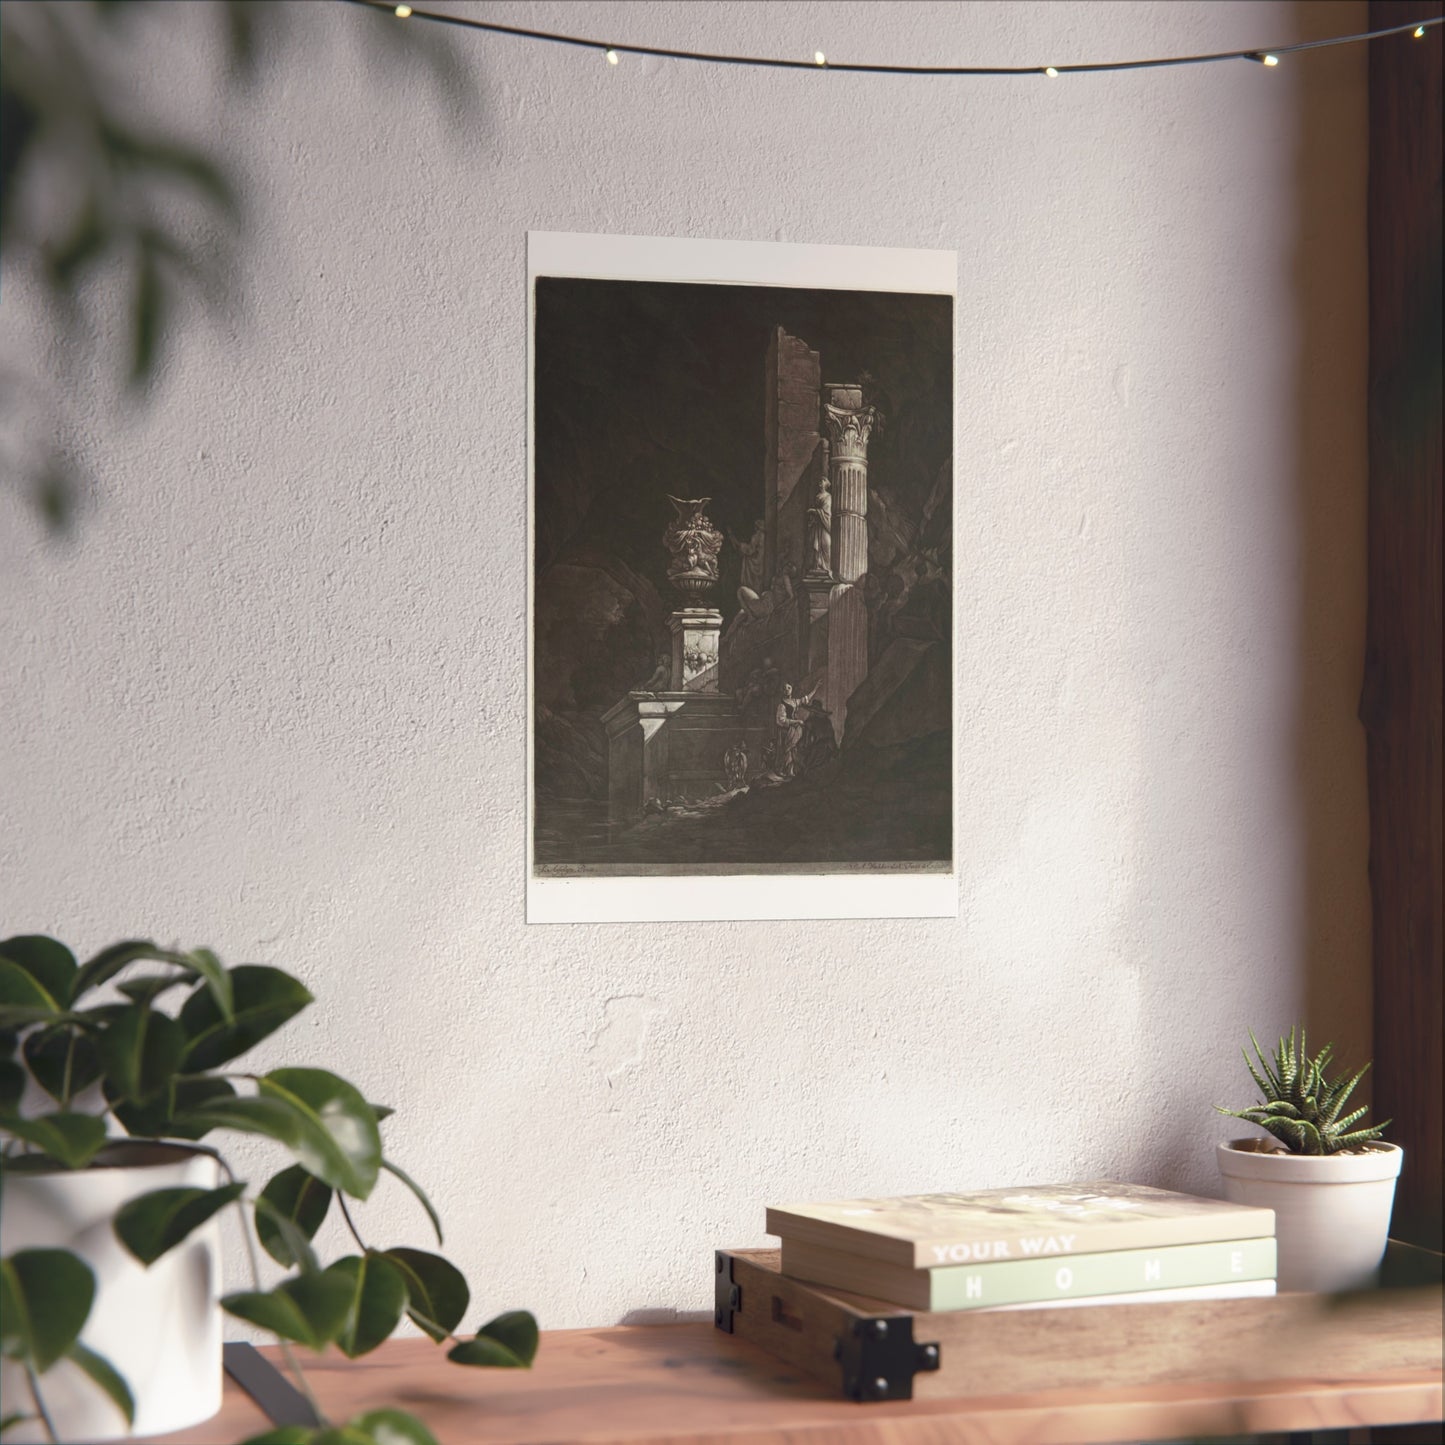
(820, 532)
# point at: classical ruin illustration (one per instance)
(757, 679)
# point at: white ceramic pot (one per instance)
(160, 1327)
(1331, 1211)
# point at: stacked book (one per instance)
(1031, 1247)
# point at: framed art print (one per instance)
(740, 617)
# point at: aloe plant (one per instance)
(169, 1074)
(1302, 1108)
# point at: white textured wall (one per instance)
(271, 696)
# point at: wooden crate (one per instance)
(871, 1350)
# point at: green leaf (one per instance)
(392, 1427)
(264, 998)
(50, 964)
(104, 1374)
(416, 1189)
(64, 1061)
(45, 1299)
(151, 1224)
(109, 962)
(141, 1051)
(296, 1196)
(14, 1323)
(340, 1143)
(73, 1139)
(210, 968)
(163, 1117)
(382, 1111)
(437, 1294)
(284, 1435)
(23, 999)
(12, 1086)
(147, 315)
(378, 1296)
(295, 1243)
(181, 162)
(148, 989)
(87, 238)
(507, 1342)
(341, 1435)
(310, 1310)
(332, 1135)
(142, 1121)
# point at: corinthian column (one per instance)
(849, 424)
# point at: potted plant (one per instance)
(1331, 1185)
(113, 1085)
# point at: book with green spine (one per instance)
(1034, 1281)
(923, 1231)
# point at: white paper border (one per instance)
(694, 898)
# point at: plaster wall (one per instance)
(269, 695)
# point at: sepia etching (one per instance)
(758, 679)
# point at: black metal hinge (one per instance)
(880, 1358)
(727, 1296)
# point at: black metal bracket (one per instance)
(880, 1358)
(280, 1401)
(727, 1296)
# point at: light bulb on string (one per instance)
(1260, 57)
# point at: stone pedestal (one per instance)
(695, 634)
(670, 745)
(813, 622)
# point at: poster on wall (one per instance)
(740, 611)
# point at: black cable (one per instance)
(1258, 53)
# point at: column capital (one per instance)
(848, 431)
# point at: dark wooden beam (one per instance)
(1400, 702)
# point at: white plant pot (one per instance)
(160, 1327)
(1331, 1211)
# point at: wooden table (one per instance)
(670, 1384)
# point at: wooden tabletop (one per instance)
(694, 1385)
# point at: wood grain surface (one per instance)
(670, 1384)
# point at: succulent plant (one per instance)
(1301, 1107)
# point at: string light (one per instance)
(1260, 56)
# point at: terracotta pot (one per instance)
(160, 1327)
(1331, 1211)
